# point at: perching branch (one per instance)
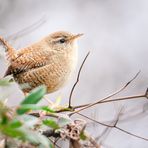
(78, 76)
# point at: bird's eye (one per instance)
(62, 41)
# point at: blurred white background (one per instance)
(116, 33)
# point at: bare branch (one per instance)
(78, 76)
(114, 126)
(109, 96)
(118, 116)
(114, 100)
(129, 133)
(37, 114)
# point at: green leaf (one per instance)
(35, 96)
(25, 134)
(46, 108)
(36, 138)
(23, 109)
(83, 136)
(15, 124)
(12, 132)
(51, 145)
(6, 81)
(28, 120)
(4, 119)
(51, 123)
(27, 107)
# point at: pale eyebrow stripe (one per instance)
(59, 37)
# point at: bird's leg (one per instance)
(8, 49)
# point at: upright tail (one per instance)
(11, 54)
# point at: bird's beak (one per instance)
(75, 36)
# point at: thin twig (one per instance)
(109, 96)
(37, 114)
(113, 100)
(129, 133)
(81, 106)
(114, 126)
(103, 135)
(78, 76)
(56, 140)
(55, 144)
(100, 102)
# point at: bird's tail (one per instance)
(10, 51)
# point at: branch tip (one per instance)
(146, 93)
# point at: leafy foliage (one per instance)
(27, 107)
(22, 129)
(51, 123)
(14, 126)
(35, 96)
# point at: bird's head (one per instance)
(62, 40)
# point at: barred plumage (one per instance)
(49, 61)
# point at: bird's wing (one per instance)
(28, 60)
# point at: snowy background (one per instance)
(116, 33)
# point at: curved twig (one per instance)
(78, 76)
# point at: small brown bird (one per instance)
(48, 62)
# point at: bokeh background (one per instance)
(116, 34)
